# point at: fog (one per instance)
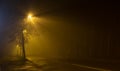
(61, 30)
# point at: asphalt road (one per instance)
(40, 64)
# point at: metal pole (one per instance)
(23, 46)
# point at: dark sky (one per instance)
(100, 13)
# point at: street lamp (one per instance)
(23, 37)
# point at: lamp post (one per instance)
(23, 46)
(23, 38)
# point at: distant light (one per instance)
(24, 31)
(17, 46)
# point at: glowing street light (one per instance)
(30, 16)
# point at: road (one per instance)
(41, 64)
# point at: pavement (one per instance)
(41, 64)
